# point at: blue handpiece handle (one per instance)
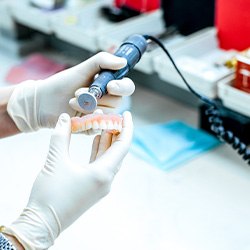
(132, 50)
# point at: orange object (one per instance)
(242, 74)
(232, 18)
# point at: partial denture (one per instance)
(109, 122)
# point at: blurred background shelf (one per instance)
(200, 60)
(84, 26)
(197, 55)
(81, 27)
(87, 28)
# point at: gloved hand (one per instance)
(63, 191)
(38, 104)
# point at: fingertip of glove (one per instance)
(64, 118)
(128, 120)
(127, 114)
(123, 61)
(123, 87)
(63, 124)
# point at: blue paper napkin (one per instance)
(170, 144)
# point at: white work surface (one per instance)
(204, 204)
(201, 205)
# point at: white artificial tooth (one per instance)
(103, 125)
(83, 127)
(110, 125)
(88, 125)
(95, 125)
(116, 125)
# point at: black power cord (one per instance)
(212, 112)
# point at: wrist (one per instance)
(22, 106)
(14, 241)
(7, 125)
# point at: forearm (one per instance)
(7, 125)
(14, 242)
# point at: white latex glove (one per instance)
(63, 191)
(38, 104)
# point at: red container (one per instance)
(232, 19)
(139, 5)
(242, 74)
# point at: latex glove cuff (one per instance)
(22, 106)
(33, 232)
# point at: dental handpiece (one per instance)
(132, 50)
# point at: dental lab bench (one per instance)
(201, 204)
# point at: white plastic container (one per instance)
(32, 17)
(199, 59)
(84, 27)
(37, 18)
(232, 97)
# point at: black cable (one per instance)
(203, 98)
(212, 112)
